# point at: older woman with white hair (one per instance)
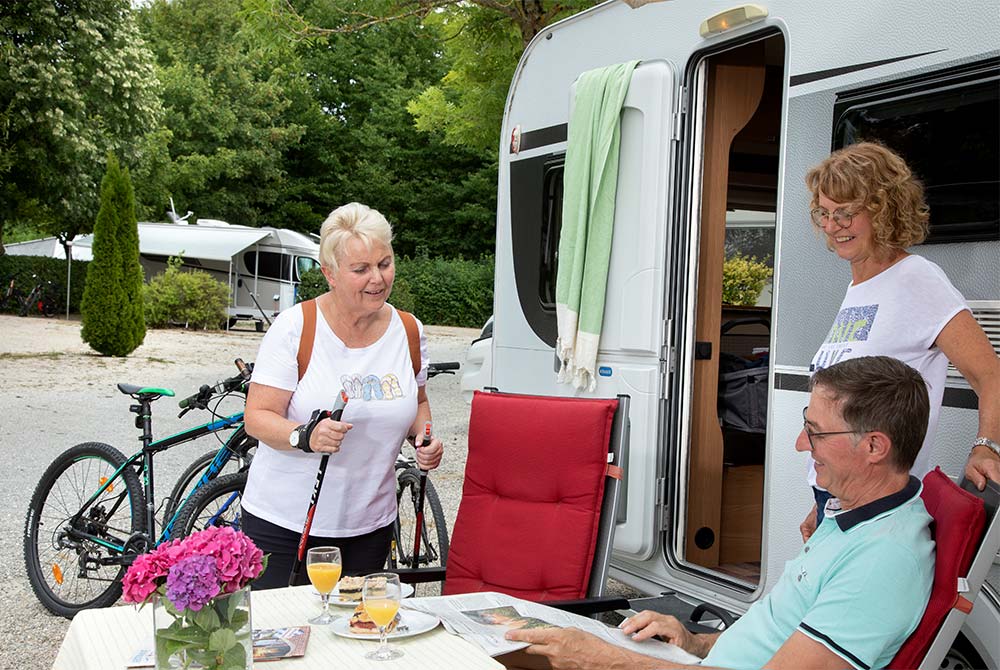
(360, 344)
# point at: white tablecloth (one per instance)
(104, 639)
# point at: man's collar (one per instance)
(851, 518)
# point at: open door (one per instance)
(741, 99)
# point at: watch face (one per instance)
(293, 439)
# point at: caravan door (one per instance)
(632, 349)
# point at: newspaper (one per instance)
(483, 618)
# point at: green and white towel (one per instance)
(589, 184)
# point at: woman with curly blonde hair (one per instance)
(870, 207)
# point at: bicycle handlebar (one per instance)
(435, 369)
(200, 399)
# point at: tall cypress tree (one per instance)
(113, 321)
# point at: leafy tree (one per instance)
(368, 150)
(482, 39)
(112, 306)
(76, 81)
(228, 122)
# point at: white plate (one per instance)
(405, 590)
(411, 623)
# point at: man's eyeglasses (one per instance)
(810, 435)
(841, 217)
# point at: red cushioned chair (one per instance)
(539, 502)
(963, 556)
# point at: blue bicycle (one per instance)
(93, 510)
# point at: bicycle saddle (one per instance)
(144, 392)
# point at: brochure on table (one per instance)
(483, 618)
(269, 644)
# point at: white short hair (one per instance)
(352, 220)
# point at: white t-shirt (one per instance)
(359, 490)
(899, 313)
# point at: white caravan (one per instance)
(727, 111)
(262, 266)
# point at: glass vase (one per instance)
(216, 637)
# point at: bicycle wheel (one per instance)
(48, 306)
(69, 573)
(217, 503)
(434, 535)
(240, 446)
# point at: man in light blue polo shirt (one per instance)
(859, 586)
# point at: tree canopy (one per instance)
(263, 112)
(76, 82)
(481, 40)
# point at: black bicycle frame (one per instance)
(149, 448)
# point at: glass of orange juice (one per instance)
(323, 565)
(380, 595)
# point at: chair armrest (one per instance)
(695, 620)
(419, 575)
(587, 606)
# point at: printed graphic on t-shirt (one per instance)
(372, 387)
(853, 324)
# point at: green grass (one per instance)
(16, 356)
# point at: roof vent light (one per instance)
(732, 18)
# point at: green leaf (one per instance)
(222, 639)
(235, 658)
(206, 618)
(240, 618)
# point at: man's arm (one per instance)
(801, 651)
(572, 649)
(647, 624)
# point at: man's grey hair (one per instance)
(880, 393)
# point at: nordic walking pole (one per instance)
(335, 414)
(420, 504)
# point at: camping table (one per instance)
(104, 639)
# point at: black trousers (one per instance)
(361, 555)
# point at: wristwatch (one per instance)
(299, 438)
(988, 443)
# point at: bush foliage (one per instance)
(20, 268)
(440, 291)
(743, 278)
(113, 322)
(189, 298)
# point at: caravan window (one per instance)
(552, 198)
(270, 265)
(304, 264)
(945, 125)
(536, 191)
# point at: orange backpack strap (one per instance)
(307, 337)
(412, 338)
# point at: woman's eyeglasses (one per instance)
(841, 217)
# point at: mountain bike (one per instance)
(39, 298)
(93, 510)
(219, 504)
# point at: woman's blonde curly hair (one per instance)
(876, 178)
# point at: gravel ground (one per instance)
(54, 393)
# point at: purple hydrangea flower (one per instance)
(193, 582)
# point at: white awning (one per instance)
(219, 244)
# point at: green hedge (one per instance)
(439, 291)
(47, 269)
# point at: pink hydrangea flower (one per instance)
(238, 561)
